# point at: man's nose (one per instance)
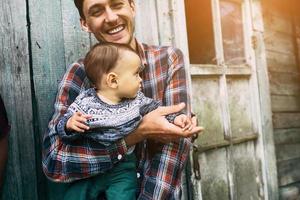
(111, 16)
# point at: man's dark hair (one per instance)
(102, 58)
(79, 6)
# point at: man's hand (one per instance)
(78, 122)
(155, 126)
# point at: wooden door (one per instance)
(226, 100)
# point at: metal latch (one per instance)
(196, 165)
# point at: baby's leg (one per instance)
(123, 180)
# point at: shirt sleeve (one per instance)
(147, 104)
(163, 173)
(70, 161)
(61, 124)
(4, 125)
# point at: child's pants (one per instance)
(118, 184)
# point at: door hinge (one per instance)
(196, 164)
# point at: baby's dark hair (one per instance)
(102, 58)
(79, 6)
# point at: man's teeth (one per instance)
(115, 30)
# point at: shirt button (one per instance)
(138, 175)
(120, 157)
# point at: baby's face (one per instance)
(128, 69)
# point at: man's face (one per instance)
(110, 20)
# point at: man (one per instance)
(164, 79)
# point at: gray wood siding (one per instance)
(15, 88)
(39, 39)
(282, 52)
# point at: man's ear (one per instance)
(112, 80)
(132, 6)
(84, 25)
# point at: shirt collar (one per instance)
(141, 52)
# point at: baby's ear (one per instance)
(112, 80)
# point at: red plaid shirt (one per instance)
(164, 79)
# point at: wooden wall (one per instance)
(38, 40)
(282, 40)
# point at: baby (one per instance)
(111, 110)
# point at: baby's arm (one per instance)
(74, 121)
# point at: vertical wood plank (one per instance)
(76, 41)
(48, 60)
(48, 66)
(15, 88)
(215, 184)
(246, 172)
(266, 139)
(165, 28)
(146, 29)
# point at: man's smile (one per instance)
(115, 29)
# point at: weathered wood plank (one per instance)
(287, 136)
(48, 64)
(48, 60)
(298, 44)
(287, 151)
(207, 107)
(240, 107)
(164, 20)
(290, 192)
(146, 22)
(285, 103)
(214, 171)
(286, 120)
(246, 172)
(288, 171)
(277, 8)
(278, 42)
(284, 83)
(287, 143)
(76, 41)
(279, 62)
(180, 28)
(277, 23)
(257, 15)
(268, 161)
(15, 88)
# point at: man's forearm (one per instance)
(135, 137)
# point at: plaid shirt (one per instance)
(164, 79)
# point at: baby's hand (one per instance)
(184, 122)
(78, 122)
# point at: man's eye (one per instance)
(117, 5)
(96, 12)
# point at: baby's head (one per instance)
(114, 67)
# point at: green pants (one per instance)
(119, 183)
